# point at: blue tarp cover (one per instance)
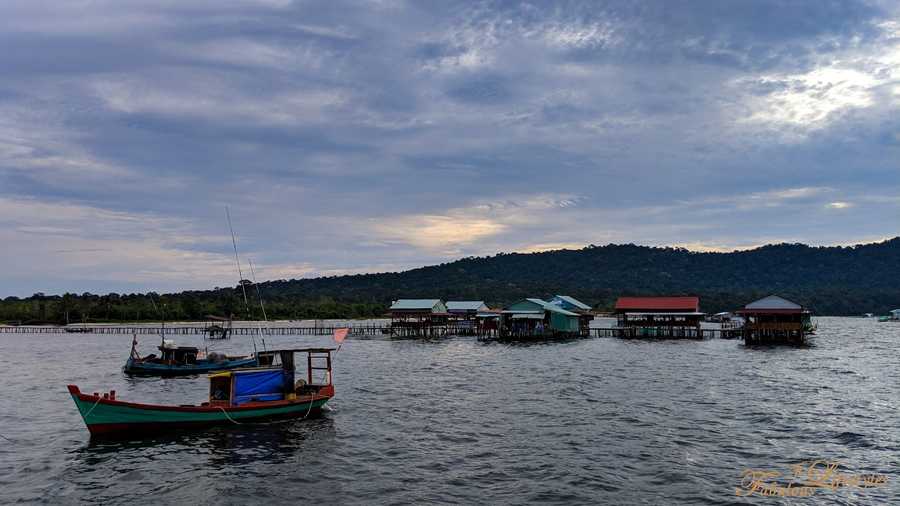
(258, 385)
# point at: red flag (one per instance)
(340, 335)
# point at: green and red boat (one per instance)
(235, 397)
(182, 361)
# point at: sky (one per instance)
(370, 136)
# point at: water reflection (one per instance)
(584, 421)
(231, 445)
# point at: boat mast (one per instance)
(261, 305)
(162, 318)
(237, 262)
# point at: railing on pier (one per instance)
(374, 330)
(355, 330)
(666, 333)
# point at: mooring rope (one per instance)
(309, 410)
(6, 438)
(229, 417)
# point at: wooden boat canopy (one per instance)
(300, 350)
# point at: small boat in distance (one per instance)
(182, 360)
(235, 397)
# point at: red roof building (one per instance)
(659, 317)
(658, 305)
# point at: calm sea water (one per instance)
(460, 421)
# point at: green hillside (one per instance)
(830, 280)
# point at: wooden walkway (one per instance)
(666, 333)
(361, 330)
(367, 330)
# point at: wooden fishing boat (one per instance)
(182, 360)
(235, 397)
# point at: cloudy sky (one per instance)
(380, 135)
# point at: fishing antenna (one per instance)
(162, 317)
(237, 262)
(258, 293)
(261, 305)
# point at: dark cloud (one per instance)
(356, 136)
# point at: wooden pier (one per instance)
(371, 330)
(666, 332)
(358, 330)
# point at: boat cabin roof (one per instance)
(287, 361)
(192, 349)
(298, 350)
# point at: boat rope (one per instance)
(6, 438)
(229, 417)
(312, 399)
(232, 420)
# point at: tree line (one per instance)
(835, 280)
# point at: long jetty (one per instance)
(666, 333)
(355, 330)
(358, 330)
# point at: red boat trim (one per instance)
(329, 393)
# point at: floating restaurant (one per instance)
(659, 317)
(419, 318)
(537, 318)
(775, 320)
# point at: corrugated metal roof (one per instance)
(553, 308)
(685, 304)
(464, 305)
(544, 305)
(773, 302)
(573, 301)
(426, 304)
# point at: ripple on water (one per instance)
(458, 421)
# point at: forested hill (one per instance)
(830, 280)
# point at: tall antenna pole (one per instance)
(261, 305)
(240, 273)
(258, 293)
(236, 260)
(162, 317)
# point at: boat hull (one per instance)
(107, 417)
(139, 368)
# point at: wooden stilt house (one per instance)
(775, 320)
(464, 315)
(584, 312)
(419, 318)
(537, 318)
